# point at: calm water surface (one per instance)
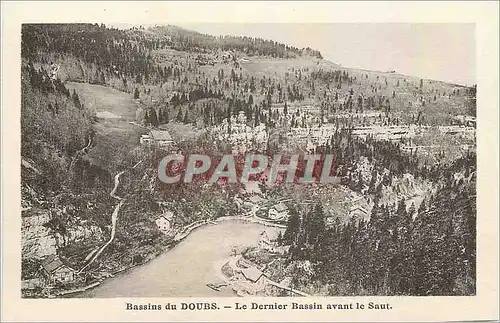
(185, 270)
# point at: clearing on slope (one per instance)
(105, 99)
(115, 139)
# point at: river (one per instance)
(185, 269)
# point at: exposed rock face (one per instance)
(83, 232)
(413, 191)
(37, 240)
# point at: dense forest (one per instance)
(429, 251)
(54, 126)
(129, 53)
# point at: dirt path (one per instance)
(114, 218)
(80, 153)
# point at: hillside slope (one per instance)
(402, 146)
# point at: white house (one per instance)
(106, 115)
(255, 276)
(278, 212)
(164, 221)
(146, 140)
(160, 138)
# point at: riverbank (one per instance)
(252, 220)
(78, 290)
(185, 268)
(233, 271)
(181, 235)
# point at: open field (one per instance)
(180, 131)
(279, 67)
(114, 139)
(101, 98)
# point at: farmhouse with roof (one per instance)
(55, 270)
(160, 138)
(255, 276)
(358, 212)
(278, 212)
(250, 280)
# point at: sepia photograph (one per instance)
(280, 161)
(103, 105)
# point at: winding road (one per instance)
(114, 219)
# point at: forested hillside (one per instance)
(129, 53)
(404, 148)
(398, 251)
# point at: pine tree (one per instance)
(153, 118)
(292, 227)
(178, 117)
(76, 100)
(279, 239)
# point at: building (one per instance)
(227, 56)
(278, 212)
(164, 221)
(106, 115)
(358, 212)
(162, 138)
(264, 241)
(54, 68)
(468, 121)
(32, 283)
(271, 246)
(282, 250)
(159, 138)
(238, 201)
(163, 224)
(250, 280)
(253, 202)
(256, 199)
(55, 270)
(255, 276)
(146, 140)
